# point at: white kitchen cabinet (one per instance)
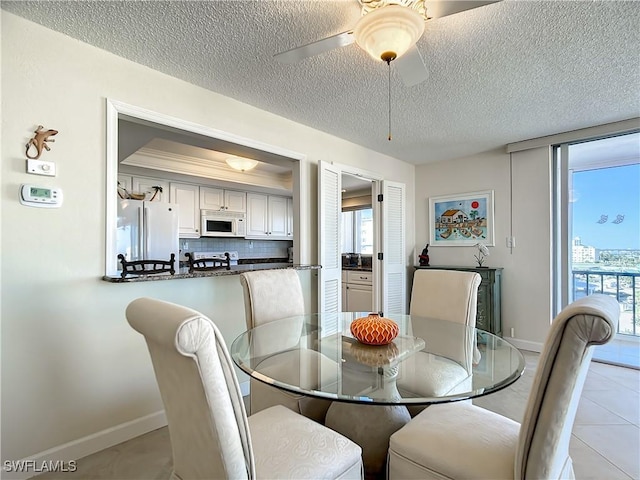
(360, 276)
(124, 184)
(277, 209)
(135, 184)
(344, 290)
(235, 201)
(290, 217)
(257, 216)
(219, 199)
(187, 196)
(148, 187)
(267, 217)
(359, 298)
(359, 291)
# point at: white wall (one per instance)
(526, 280)
(71, 366)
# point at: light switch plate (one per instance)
(41, 167)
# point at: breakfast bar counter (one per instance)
(183, 272)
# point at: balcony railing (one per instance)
(623, 286)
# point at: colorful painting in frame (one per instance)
(461, 220)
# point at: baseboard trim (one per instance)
(525, 344)
(91, 443)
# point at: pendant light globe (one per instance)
(387, 33)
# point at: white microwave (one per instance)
(216, 223)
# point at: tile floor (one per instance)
(605, 442)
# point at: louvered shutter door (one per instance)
(329, 204)
(394, 274)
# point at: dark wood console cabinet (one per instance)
(488, 317)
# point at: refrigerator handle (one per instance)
(141, 233)
(145, 236)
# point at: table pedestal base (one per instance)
(370, 426)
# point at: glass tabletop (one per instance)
(430, 361)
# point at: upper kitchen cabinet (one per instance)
(257, 216)
(268, 217)
(187, 196)
(124, 183)
(219, 199)
(154, 190)
(277, 213)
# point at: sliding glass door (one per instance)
(598, 227)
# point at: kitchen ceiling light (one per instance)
(241, 164)
(388, 32)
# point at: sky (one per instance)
(599, 198)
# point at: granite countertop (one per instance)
(358, 269)
(183, 272)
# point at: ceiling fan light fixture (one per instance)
(241, 164)
(387, 33)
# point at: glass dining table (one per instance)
(376, 389)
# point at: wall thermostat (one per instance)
(34, 196)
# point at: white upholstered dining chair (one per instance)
(451, 296)
(211, 435)
(463, 441)
(273, 295)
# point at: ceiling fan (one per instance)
(388, 31)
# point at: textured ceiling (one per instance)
(501, 73)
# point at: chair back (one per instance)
(201, 395)
(445, 294)
(543, 444)
(271, 295)
(449, 295)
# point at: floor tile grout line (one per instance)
(605, 407)
(594, 451)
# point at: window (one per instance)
(357, 231)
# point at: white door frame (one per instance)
(378, 269)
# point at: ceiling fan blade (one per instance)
(309, 50)
(442, 8)
(411, 68)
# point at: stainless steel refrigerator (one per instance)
(147, 230)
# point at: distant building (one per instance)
(581, 253)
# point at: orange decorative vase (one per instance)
(374, 330)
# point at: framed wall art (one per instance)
(461, 220)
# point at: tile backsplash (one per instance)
(245, 248)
